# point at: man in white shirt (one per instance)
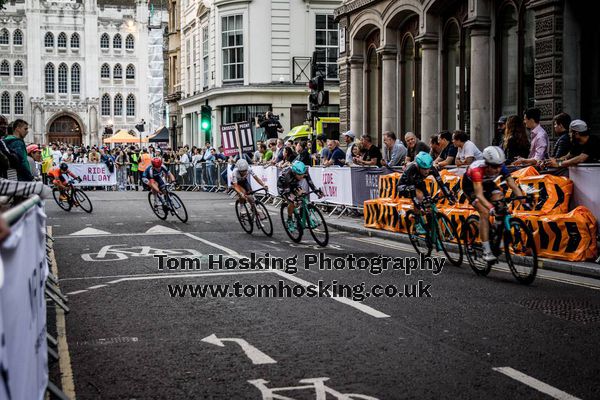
(349, 140)
(467, 150)
(56, 155)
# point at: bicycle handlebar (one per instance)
(257, 190)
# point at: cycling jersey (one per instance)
(477, 173)
(157, 175)
(413, 179)
(243, 181)
(287, 182)
(58, 175)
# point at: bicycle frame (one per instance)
(432, 232)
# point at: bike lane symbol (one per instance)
(317, 385)
(119, 252)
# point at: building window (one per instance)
(105, 71)
(327, 45)
(232, 43)
(19, 103)
(105, 105)
(4, 68)
(456, 75)
(118, 72)
(18, 38)
(130, 72)
(49, 73)
(49, 40)
(62, 78)
(242, 113)
(410, 68)
(118, 106)
(18, 68)
(205, 56)
(117, 42)
(104, 41)
(75, 41)
(75, 79)
(130, 42)
(130, 106)
(4, 38)
(5, 103)
(61, 41)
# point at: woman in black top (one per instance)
(516, 141)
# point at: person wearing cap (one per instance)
(394, 151)
(586, 148)
(34, 156)
(349, 140)
(500, 126)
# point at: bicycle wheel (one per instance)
(296, 233)
(447, 233)
(473, 247)
(178, 207)
(263, 219)
(317, 225)
(156, 206)
(244, 216)
(64, 204)
(83, 200)
(518, 241)
(417, 233)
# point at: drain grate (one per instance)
(574, 310)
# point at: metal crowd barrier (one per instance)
(204, 176)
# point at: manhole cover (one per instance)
(575, 310)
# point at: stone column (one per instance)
(389, 89)
(356, 95)
(429, 86)
(481, 118)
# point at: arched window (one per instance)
(75, 79)
(75, 41)
(118, 106)
(49, 73)
(18, 68)
(18, 38)
(61, 41)
(105, 71)
(4, 68)
(5, 103)
(117, 42)
(130, 42)
(105, 105)
(104, 41)
(49, 40)
(19, 103)
(130, 72)
(62, 78)
(4, 37)
(130, 106)
(118, 72)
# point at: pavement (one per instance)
(132, 335)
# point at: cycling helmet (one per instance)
(298, 167)
(424, 160)
(157, 162)
(494, 155)
(64, 167)
(242, 165)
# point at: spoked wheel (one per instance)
(82, 200)
(473, 247)
(156, 206)
(178, 208)
(317, 225)
(518, 241)
(244, 216)
(417, 233)
(447, 233)
(294, 232)
(64, 204)
(263, 219)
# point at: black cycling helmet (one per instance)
(64, 167)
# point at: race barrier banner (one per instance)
(268, 175)
(23, 272)
(365, 183)
(586, 190)
(335, 184)
(94, 174)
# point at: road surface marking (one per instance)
(89, 231)
(255, 355)
(96, 287)
(534, 383)
(76, 292)
(82, 278)
(162, 229)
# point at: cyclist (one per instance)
(153, 177)
(240, 182)
(479, 187)
(290, 187)
(59, 178)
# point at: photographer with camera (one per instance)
(271, 124)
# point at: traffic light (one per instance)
(205, 118)
(318, 95)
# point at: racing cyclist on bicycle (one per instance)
(290, 184)
(59, 175)
(479, 187)
(153, 177)
(240, 182)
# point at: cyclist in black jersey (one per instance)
(289, 185)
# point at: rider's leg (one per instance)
(484, 231)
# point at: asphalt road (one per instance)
(474, 338)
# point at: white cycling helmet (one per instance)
(494, 155)
(242, 165)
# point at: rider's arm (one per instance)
(478, 188)
(310, 182)
(258, 180)
(447, 192)
(510, 181)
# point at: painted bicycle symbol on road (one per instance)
(317, 385)
(116, 252)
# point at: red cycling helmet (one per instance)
(157, 162)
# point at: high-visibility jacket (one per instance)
(134, 162)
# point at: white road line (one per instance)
(96, 287)
(116, 235)
(217, 246)
(83, 278)
(76, 292)
(534, 383)
(154, 277)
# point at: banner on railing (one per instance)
(268, 175)
(23, 353)
(335, 184)
(94, 174)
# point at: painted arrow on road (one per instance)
(254, 354)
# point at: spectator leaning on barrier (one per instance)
(335, 155)
(271, 148)
(303, 154)
(500, 127)
(414, 146)
(371, 155)
(394, 151)
(515, 143)
(467, 150)
(16, 144)
(349, 140)
(586, 148)
(448, 150)
(435, 147)
(539, 138)
(561, 129)
(278, 152)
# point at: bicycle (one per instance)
(257, 214)
(306, 215)
(169, 203)
(75, 197)
(430, 228)
(517, 241)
